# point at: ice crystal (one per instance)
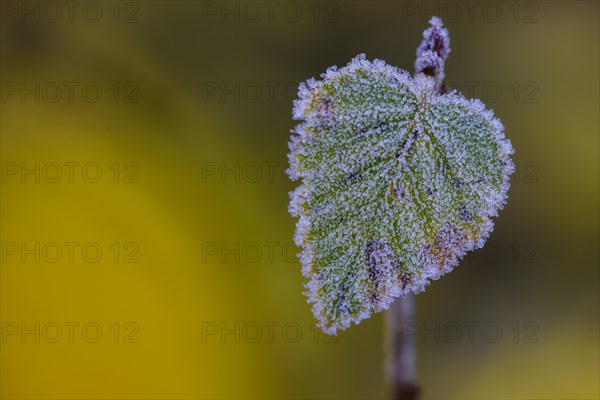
(398, 183)
(433, 51)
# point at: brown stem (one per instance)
(401, 352)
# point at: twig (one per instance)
(401, 352)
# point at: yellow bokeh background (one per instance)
(545, 60)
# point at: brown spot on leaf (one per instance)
(381, 264)
(325, 113)
(449, 242)
(352, 178)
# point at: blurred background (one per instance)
(147, 250)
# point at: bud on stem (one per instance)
(433, 52)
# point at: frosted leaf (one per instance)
(398, 183)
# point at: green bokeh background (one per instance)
(541, 265)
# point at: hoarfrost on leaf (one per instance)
(433, 51)
(398, 183)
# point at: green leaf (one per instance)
(398, 183)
